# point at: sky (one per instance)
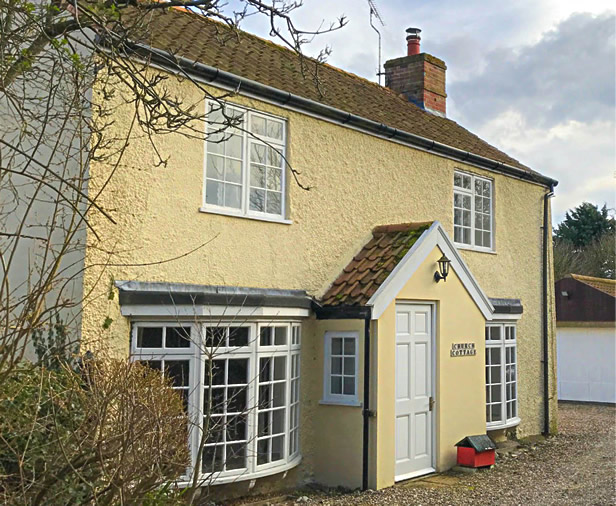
(535, 78)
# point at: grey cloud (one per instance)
(567, 75)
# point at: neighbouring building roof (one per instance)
(193, 37)
(604, 285)
(365, 273)
(585, 299)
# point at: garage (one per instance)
(586, 339)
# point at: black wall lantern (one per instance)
(443, 269)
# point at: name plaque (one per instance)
(463, 349)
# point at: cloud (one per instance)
(567, 75)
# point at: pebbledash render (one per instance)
(337, 340)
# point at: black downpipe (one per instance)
(546, 344)
(366, 411)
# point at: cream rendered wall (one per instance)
(357, 181)
(460, 381)
(331, 434)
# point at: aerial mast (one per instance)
(374, 13)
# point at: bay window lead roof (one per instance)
(156, 293)
(175, 37)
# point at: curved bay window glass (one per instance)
(501, 376)
(240, 385)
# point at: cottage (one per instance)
(586, 338)
(350, 334)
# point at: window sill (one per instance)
(233, 477)
(474, 248)
(222, 212)
(351, 403)
(511, 423)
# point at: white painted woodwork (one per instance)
(414, 334)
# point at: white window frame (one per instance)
(471, 193)
(247, 140)
(341, 399)
(253, 352)
(503, 344)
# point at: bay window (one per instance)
(240, 384)
(244, 162)
(472, 211)
(501, 375)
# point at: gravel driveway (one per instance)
(576, 467)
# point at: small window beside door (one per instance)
(340, 385)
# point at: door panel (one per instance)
(413, 390)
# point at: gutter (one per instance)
(242, 85)
(544, 303)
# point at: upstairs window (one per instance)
(245, 162)
(472, 211)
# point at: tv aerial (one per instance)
(374, 13)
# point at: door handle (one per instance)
(431, 403)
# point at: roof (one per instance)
(155, 293)
(365, 273)
(602, 284)
(198, 39)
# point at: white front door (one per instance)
(414, 335)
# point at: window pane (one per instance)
(274, 129)
(238, 371)
(336, 385)
(336, 346)
(149, 337)
(233, 146)
(495, 333)
(265, 396)
(280, 364)
(215, 405)
(336, 365)
(280, 336)
(277, 448)
(257, 176)
(466, 202)
(212, 459)
(257, 153)
(349, 346)
(274, 179)
(477, 187)
(466, 236)
(178, 371)
(274, 157)
(457, 180)
(214, 193)
(217, 372)
(236, 399)
(236, 456)
(349, 386)
(238, 336)
(177, 337)
(349, 366)
(215, 167)
(279, 394)
(257, 200)
(466, 182)
(466, 218)
(486, 206)
(215, 337)
(265, 336)
(265, 369)
(278, 421)
(497, 412)
(457, 200)
(153, 364)
(236, 428)
(457, 234)
(233, 172)
(233, 196)
(257, 126)
(486, 189)
(457, 217)
(215, 143)
(274, 203)
(263, 451)
(478, 238)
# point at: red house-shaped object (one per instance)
(476, 451)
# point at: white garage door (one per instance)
(586, 364)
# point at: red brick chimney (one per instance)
(418, 76)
